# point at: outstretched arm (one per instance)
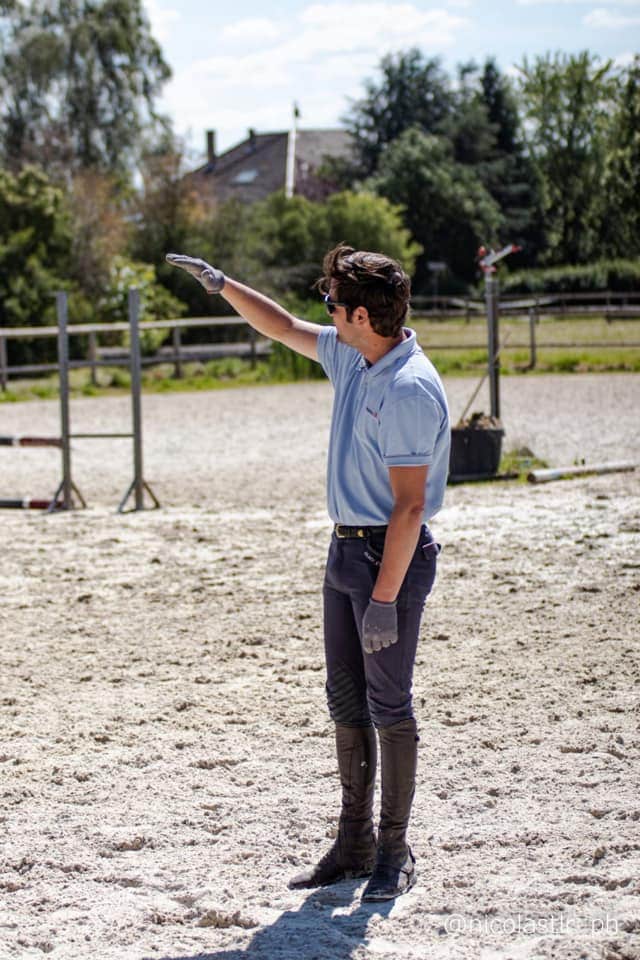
(264, 314)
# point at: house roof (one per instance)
(256, 167)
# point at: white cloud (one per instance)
(624, 60)
(602, 19)
(249, 32)
(317, 58)
(610, 3)
(160, 18)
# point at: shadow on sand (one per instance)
(312, 932)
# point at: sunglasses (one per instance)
(332, 304)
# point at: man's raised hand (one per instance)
(211, 278)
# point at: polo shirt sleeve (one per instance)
(328, 351)
(408, 431)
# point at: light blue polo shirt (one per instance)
(391, 414)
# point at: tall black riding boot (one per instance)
(395, 864)
(353, 853)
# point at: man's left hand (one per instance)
(210, 277)
(379, 626)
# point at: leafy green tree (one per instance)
(166, 207)
(35, 247)
(567, 101)
(284, 240)
(369, 222)
(411, 92)
(468, 126)
(168, 216)
(507, 171)
(79, 80)
(100, 229)
(621, 181)
(280, 242)
(448, 210)
(156, 303)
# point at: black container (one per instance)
(475, 451)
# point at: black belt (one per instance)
(344, 532)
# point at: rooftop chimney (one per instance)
(252, 140)
(211, 148)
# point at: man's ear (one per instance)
(360, 316)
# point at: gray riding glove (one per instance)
(379, 626)
(211, 278)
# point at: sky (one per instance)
(243, 64)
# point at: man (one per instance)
(387, 471)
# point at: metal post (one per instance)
(138, 485)
(252, 347)
(136, 383)
(532, 339)
(491, 297)
(177, 363)
(63, 372)
(93, 356)
(3, 363)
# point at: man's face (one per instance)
(342, 320)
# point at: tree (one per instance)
(281, 244)
(35, 246)
(621, 181)
(468, 125)
(368, 222)
(567, 101)
(168, 215)
(507, 171)
(412, 92)
(448, 210)
(156, 303)
(100, 230)
(79, 83)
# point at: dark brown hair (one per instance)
(371, 280)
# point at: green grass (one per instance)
(450, 344)
(215, 375)
(521, 461)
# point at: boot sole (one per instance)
(347, 875)
(380, 898)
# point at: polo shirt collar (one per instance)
(399, 352)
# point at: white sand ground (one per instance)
(166, 761)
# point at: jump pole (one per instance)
(30, 441)
(29, 503)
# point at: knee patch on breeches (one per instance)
(346, 699)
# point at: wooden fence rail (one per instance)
(613, 306)
(177, 353)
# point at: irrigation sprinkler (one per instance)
(487, 264)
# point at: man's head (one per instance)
(357, 278)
